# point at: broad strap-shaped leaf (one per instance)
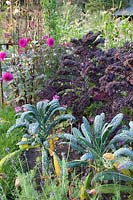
(51, 113)
(69, 137)
(85, 133)
(78, 135)
(98, 124)
(114, 176)
(29, 107)
(76, 163)
(112, 188)
(76, 132)
(123, 137)
(131, 126)
(128, 164)
(124, 152)
(87, 156)
(111, 127)
(57, 163)
(12, 128)
(28, 115)
(87, 127)
(51, 105)
(90, 148)
(41, 105)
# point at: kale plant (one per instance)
(88, 75)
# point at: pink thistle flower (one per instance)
(56, 97)
(2, 55)
(7, 76)
(50, 42)
(18, 109)
(22, 42)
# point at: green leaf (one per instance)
(124, 152)
(85, 133)
(131, 125)
(29, 115)
(111, 127)
(87, 156)
(87, 127)
(52, 112)
(122, 137)
(76, 132)
(114, 176)
(29, 107)
(12, 128)
(126, 165)
(69, 137)
(98, 124)
(113, 188)
(76, 163)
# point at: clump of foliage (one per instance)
(30, 67)
(107, 152)
(71, 81)
(37, 123)
(89, 74)
(95, 5)
(6, 120)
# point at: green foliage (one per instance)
(62, 20)
(113, 188)
(12, 163)
(39, 121)
(6, 120)
(90, 110)
(92, 143)
(95, 5)
(121, 182)
(114, 176)
(28, 186)
(62, 187)
(116, 31)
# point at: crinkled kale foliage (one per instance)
(88, 74)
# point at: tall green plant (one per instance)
(93, 142)
(38, 122)
(51, 17)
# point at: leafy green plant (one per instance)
(62, 20)
(38, 122)
(6, 120)
(92, 143)
(116, 31)
(94, 5)
(26, 182)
